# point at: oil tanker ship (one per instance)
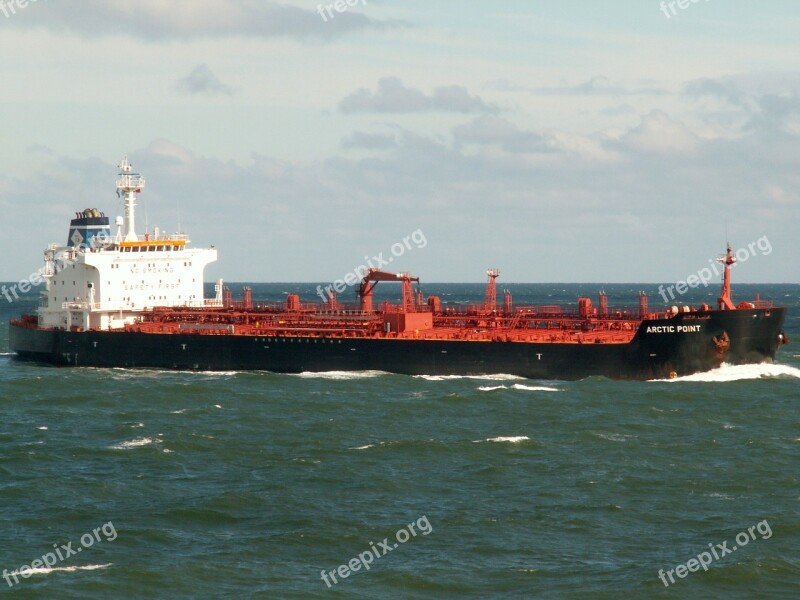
(118, 299)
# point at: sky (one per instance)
(558, 141)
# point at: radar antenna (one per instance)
(128, 185)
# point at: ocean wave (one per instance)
(396, 443)
(490, 377)
(534, 388)
(719, 495)
(214, 373)
(48, 570)
(340, 375)
(614, 437)
(515, 439)
(368, 446)
(738, 372)
(128, 373)
(137, 443)
(518, 386)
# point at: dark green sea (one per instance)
(249, 485)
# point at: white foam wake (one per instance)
(48, 570)
(738, 372)
(614, 437)
(518, 386)
(340, 375)
(490, 377)
(215, 373)
(143, 372)
(137, 443)
(534, 388)
(516, 439)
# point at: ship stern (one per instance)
(29, 342)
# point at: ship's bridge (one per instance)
(104, 281)
(157, 243)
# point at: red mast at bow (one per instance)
(725, 302)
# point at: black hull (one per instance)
(683, 345)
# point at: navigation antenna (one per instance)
(128, 185)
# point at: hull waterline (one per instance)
(660, 349)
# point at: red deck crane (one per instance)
(375, 276)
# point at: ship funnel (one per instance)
(88, 228)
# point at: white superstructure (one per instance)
(104, 281)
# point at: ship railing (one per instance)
(318, 306)
(63, 254)
(544, 311)
(317, 310)
(399, 308)
(471, 309)
(219, 327)
(163, 237)
(343, 313)
(763, 303)
(79, 305)
(134, 180)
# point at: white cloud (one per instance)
(203, 81)
(487, 130)
(394, 97)
(540, 191)
(601, 85)
(369, 141)
(157, 20)
(629, 144)
(660, 134)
